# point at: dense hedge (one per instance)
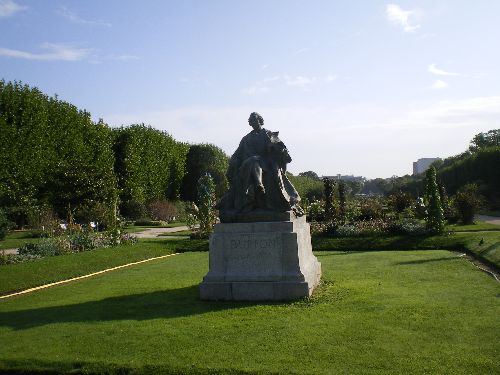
(482, 166)
(149, 164)
(308, 188)
(51, 153)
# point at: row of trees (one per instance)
(53, 157)
(478, 165)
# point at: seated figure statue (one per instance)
(257, 176)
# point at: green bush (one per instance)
(202, 159)
(149, 164)
(5, 225)
(435, 215)
(412, 227)
(149, 223)
(51, 153)
(66, 244)
(467, 203)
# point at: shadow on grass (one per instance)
(423, 261)
(161, 304)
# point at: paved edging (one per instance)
(82, 277)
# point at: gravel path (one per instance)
(155, 232)
(489, 219)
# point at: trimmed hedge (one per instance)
(51, 152)
(149, 164)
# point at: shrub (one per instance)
(66, 244)
(329, 186)
(149, 223)
(400, 201)
(355, 229)
(467, 203)
(202, 159)
(207, 215)
(315, 211)
(162, 210)
(412, 227)
(5, 224)
(47, 247)
(370, 209)
(435, 214)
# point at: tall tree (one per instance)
(483, 140)
(202, 159)
(435, 215)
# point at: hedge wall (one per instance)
(51, 153)
(149, 164)
(482, 167)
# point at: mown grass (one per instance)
(13, 240)
(476, 227)
(415, 312)
(484, 245)
(176, 234)
(490, 213)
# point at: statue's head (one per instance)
(255, 120)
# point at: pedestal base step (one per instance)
(254, 291)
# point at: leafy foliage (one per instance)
(309, 188)
(202, 159)
(435, 215)
(5, 224)
(342, 200)
(484, 140)
(310, 174)
(149, 165)
(467, 203)
(329, 187)
(206, 197)
(51, 152)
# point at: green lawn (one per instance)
(415, 312)
(13, 240)
(485, 245)
(479, 226)
(179, 233)
(490, 213)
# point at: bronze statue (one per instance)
(257, 175)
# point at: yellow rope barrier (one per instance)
(82, 277)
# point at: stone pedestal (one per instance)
(261, 261)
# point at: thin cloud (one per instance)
(301, 50)
(404, 18)
(73, 17)
(299, 81)
(260, 86)
(434, 70)
(64, 52)
(9, 8)
(331, 77)
(439, 84)
(54, 52)
(453, 123)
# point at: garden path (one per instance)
(489, 219)
(155, 232)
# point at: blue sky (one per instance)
(354, 87)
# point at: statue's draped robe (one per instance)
(263, 148)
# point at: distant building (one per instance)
(346, 178)
(421, 165)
